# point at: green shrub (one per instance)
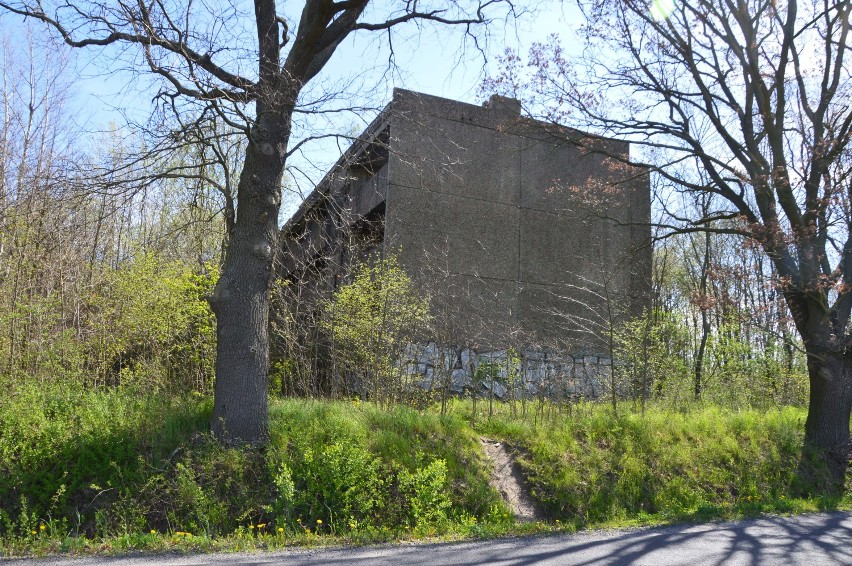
(145, 323)
(354, 465)
(114, 462)
(338, 483)
(371, 319)
(151, 326)
(284, 504)
(425, 490)
(655, 356)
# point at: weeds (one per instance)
(597, 469)
(140, 471)
(111, 469)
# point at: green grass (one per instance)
(113, 470)
(594, 469)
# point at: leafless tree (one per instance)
(750, 102)
(220, 59)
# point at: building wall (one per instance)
(518, 235)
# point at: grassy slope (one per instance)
(123, 469)
(112, 470)
(595, 469)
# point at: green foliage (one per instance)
(355, 466)
(426, 492)
(112, 462)
(145, 323)
(652, 360)
(72, 453)
(595, 468)
(205, 489)
(285, 490)
(338, 483)
(740, 375)
(371, 320)
(655, 361)
(151, 325)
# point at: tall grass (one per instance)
(137, 468)
(71, 456)
(401, 438)
(595, 468)
(101, 463)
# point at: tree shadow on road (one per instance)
(816, 539)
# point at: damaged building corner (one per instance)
(527, 237)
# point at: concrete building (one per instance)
(521, 235)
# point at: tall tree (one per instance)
(748, 100)
(203, 55)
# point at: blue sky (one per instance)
(430, 61)
(427, 61)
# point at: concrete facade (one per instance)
(520, 233)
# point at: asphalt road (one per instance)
(813, 540)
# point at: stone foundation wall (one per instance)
(509, 373)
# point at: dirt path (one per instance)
(509, 482)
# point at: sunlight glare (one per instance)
(662, 9)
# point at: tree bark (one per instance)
(830, 405)
(705, 319)
(241, 298)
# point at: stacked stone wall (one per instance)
(508, 373)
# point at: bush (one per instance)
(151, 326)
(340, 483)
(355, 466)
(114, 462)
(655, 361)
(145, 323)
(425, 490)
(371, 320)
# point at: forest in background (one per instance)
(104, 262)
(108, 251)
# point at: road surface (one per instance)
(814, 540)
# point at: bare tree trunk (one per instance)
(241, 298)
(829, 409)
(705, 318)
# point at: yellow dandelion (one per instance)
(153, 532)
(41, 527)
(319, 521)
(33, 532)
(280, 529)
(261, 525)
(251, 526)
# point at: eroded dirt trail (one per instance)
(509, 482)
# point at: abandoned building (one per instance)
(523, 234)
